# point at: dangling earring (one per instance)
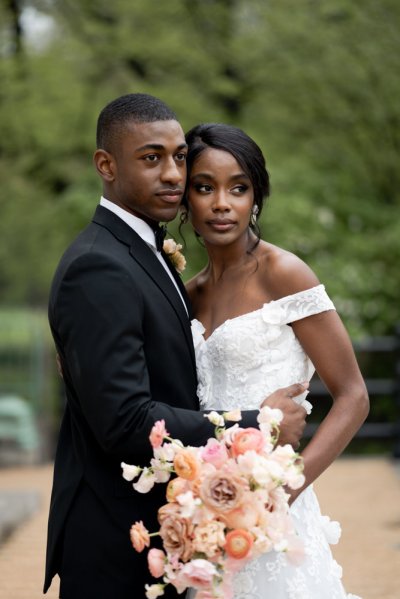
(183, 217)
(253, 215)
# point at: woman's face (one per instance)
(220, 197)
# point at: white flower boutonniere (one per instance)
(172, 249)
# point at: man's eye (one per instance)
(181, 157)
(151, 157)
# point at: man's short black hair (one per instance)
(136, 108)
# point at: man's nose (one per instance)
(172, 172)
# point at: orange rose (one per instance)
(238, 543)
(186, 465)
(247, 439)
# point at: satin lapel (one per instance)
(179, 282)
(143, 255)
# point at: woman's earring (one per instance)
(253, 215)
(183, 218)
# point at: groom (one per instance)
(120, 319)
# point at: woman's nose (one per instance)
(221, 202)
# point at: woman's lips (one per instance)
(221, 225)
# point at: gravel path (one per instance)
(363, 494)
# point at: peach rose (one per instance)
(176, 533)
(238, 543)
(176, 487)
(246, 516)
(222, 491)
(247, 439)
(186, 464)
(156, 561)
(158, 434)
(139, 536)
(169, 509)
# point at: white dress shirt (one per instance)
(144, 231)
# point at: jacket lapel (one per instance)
(144, 256)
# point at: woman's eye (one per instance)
(202, 188)
(240, 189)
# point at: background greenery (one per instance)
(316, 83)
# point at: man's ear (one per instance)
(105, 165)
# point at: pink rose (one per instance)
(214, 453)
(199, 574)
(156, 562)
(158, 434)
(247, 439)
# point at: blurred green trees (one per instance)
(315, 83)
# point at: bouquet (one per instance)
(225, 504)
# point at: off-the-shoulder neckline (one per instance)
(286, 297)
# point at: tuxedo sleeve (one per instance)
(98, 321)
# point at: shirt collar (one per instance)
(137, 224)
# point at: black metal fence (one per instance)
(379, 359)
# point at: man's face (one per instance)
(149, 170)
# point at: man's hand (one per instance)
(294, 415)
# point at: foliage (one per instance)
(315, 83)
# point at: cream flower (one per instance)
(209, 537)
(130, 472)
(145, 482)
(215, 418)
(173, 251)
(154, 590)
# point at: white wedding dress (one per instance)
(243, 361)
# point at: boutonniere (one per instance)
(173, 251)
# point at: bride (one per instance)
(264, 321)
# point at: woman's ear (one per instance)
(105, 165)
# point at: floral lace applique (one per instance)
(241, 363)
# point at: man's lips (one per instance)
(170, 195)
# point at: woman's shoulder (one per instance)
(194, 287)
(283, 272)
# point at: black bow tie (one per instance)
(160, 233)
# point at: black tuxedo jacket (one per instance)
(124, 340)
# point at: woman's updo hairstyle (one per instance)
(235, 141)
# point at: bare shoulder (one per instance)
(283, 272)
(195, 288)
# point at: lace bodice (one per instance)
(250, 356)
(238, 365)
